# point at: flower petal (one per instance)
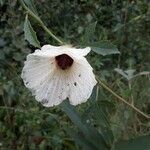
(82, 82)
(51, 51)
(35, 71)
(45, 80)
(50, 84)
(81, 52)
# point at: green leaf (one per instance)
(2, 2)
(140, 143)
(142, 73)
(70, 111)
(130, 73)
(90, 133)
(121, 72)
(30, 34)
(104, 48)
(89, 33)
(80, 139)
(104, 124)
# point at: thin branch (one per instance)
(123, 100)
(97, 92)
(40, 22)
(130, 88)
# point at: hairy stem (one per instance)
(130, 88)
(40, 22)
(121, 99)
(97, 92)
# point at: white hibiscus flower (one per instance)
(56, 73)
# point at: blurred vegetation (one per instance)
(25, 124)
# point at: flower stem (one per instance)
(121, 99)
(40, 22)
(97, 92)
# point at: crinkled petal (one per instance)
(50, 84)
(52, 51)
(82, 82)
(53, 91)
(81, 52)
(35, 70)
(49, 51)
(45, 80)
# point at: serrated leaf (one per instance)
(104, 48)
(140, 143)
(30, 34)
(89, 33)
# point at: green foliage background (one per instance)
(101, 122)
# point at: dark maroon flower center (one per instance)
(64, 61)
